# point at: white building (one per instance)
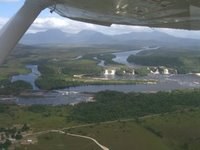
(166, 71)
(110, 72)
(133, 73)
(156, 72)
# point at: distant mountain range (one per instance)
(88, 37)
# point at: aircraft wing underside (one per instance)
(181, 14)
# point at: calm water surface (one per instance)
(30, 78)
(121, 57)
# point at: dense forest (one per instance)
(13, 88)
(111, 105)
(182, 61)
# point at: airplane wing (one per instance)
(179, 14)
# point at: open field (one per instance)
(38, 117)
(55, 141)
(122, 135)
(180, 130)
(116, 136)
(171, 131)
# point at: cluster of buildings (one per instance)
(130, 71)
(12, 135)
(162, 70)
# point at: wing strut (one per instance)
(19, 24)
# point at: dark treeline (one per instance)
(58, 77)
(183, 64)
(112, 105)
(155, 60)
(48, 83)
(14, 88)
(52, 79)
(107, 58)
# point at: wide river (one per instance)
(74, 95)
(121, 57)
(165, 83)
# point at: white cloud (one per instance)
(67, 25)
(71, 26)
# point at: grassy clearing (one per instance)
(116, 136)
(38, 117)
(122, 135)
(54, 141)
(11, 68)
(177, 131)
(180, 130)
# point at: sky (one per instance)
(47, 20)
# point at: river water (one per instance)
(121, 57)
(75, 95)
(165, 83)
(30, 78)
(54, 98)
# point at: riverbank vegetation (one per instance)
(108, 58)
(57, 64)
(108, 105)
(184, 61)
(13, 88)
(117, 105)
(82, 71)
(24, 55)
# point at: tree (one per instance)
(25, 127)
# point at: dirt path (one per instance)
(62, 131)
(74, 135)
(87, 137)
(89, 124)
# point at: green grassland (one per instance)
(38, 117)
(109, 105)
(180, 130)
(12, 67)
(115, 136)
(177, 131)
(54, 141)
(170, 131)
(122, 135)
